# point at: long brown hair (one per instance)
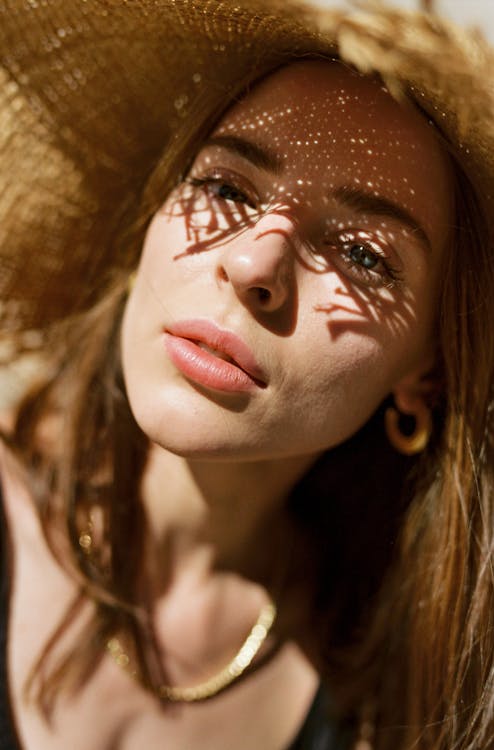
(411, 626)
(438, 608)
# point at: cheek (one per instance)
(336, 383)
(350, 372)
(163, 236)
(336, 377)
(162, 272)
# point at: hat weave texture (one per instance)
(93, 91)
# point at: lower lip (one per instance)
(204, 368)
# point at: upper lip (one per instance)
(226, 342)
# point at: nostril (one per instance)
(222, 274)
(264, 294)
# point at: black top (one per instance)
(318, 732)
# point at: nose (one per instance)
(259, 262)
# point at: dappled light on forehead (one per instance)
(353, 133)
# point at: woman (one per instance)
(278, 425)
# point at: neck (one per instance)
(218, 549)
(216, 512)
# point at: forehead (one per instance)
(327, 102)
(331, 124)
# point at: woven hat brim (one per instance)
(93, 91)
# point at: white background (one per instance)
(473, 12)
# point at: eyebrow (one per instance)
(376, 205)
(353, 197)
(261, 156)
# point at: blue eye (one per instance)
(363, 256)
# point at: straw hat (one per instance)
(93, 91)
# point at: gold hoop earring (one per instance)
(409, 445)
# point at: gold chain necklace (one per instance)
(236, 667)
(233, 670)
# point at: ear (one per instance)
(413, 396)
(417, 391)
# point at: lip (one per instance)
(242, 374)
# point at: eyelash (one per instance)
(216, 178)
(346, 240)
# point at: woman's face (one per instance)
(291, 282)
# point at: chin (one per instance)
(181, 430)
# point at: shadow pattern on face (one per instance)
(211, 222)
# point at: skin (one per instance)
(269, 254)
(272, 262)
